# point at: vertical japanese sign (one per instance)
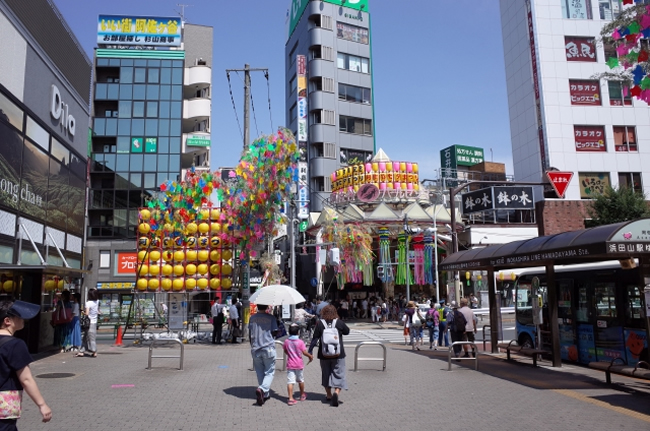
(538, 107)
(303, 177)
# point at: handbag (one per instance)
(10, 401)
(61, 316)
(84, 322)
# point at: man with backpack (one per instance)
(443, 312)
(456, 323)
(470, 326)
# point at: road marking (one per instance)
(585, 398)
(122, 386)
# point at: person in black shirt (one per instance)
(14, 364)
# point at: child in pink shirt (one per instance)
(294, 348)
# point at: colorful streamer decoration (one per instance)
(418, 248)
(402, 263)
(384, 254)
(428, 259)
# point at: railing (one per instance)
(369, 343)
(460, 343)
(166, 340)
(484, 340)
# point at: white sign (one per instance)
(59, 111)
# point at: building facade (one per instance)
(45, 81)
(151, 112)
(561, 117)
(328, 52)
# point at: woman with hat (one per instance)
(412, 323)
(14, 365)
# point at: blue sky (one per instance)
(439, 75)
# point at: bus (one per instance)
(600, 312)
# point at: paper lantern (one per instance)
(396, 166)
(382, 166)
(215, 269)
(202, 283)
(145, 214)
(203, 255)
(167, 256)
(205, 214)
(204, 228)
(415, 168)
(215, 214)
(191, 228)
(144, 228)
(178, 284)
(49, 285)
(143, 242)
(178, 243)
(190, 255)
(179, 256)
(215, 283)
(368, 168)
(204, 241)
(166, 284)
(142, 284)
(202, 269)
(215, 228)
(389, 167)
(179, 270)
(375, 167)
(226, 283)
(143, 255)
(409, 167)
(8, 286)
(167, 269)
(168, 243)
(167, 227)
(154, 270)
(191, 241)
(215, 242)
(215, 255)
(226, 269)
(190, 283)
(153, 284)
(144, 269)
(154, 256)
(190, 269)
(226, 254)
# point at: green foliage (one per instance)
(617, 205)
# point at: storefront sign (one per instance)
(132, 30)
(124, 285)
(151, 145)
(580, 49)
(59, 111)
(584, 92)
(198, 141)
(593, 183)
(136, 145)
(126, 263)
(297, 7)
(589, 138)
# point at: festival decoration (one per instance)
(428, 259)
(418, 250)
(384, 255)
(400, 278)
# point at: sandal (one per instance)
(303, 397)
(292, 402)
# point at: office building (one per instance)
(151, 123)
(561, 118)
(44, 94)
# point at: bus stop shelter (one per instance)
(624, 241)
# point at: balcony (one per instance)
(197, 109)
(200, 76)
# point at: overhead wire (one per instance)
(232, 99)
(268, 90)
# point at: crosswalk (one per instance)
(382, 335)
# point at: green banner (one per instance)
(297, 7)
(137, 145)
(151, 145)
(198, 141)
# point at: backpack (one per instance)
(330, 340)
(459, 322)
(416, 321)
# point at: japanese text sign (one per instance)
(560, 181)
(126, 263)
(589, 138)
(132, 30)
(513, 197)
(593, 183)
(584, 92)
(580, 49)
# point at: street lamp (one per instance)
(409, 231)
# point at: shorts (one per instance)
(294, 376)
(469, 336)
(406, 331)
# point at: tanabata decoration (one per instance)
(428, 259)
(384, 255)
(418, 249)
(403, 267)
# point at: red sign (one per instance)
(580, 48)
(127, 263)
(368, 193)
(302, 64)
(584, 92)
(560, 181)
(589, 138)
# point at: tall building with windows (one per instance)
(560, 116)
(151, 112)
(45, 80)
(328, 91)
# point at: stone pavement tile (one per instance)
(217, 391)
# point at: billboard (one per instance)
(127, 262)
(297, 7)
(303, 175)
(460, 155)
(498, 198)
(138, 30)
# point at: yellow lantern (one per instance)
(144, 228)
(215, 227)
(467, 275)
(144, 269)
(202, 269)
(215, 241)
(402, 166)
(215, 255)
(168, 243)
(190, 255)
(167, 227)
(145, 214)
(226, 269)
(415, 168)
(190, 283)
(49, 285)
(168, 256)
(143, 242)
(202, 283)
(215, 269)
(154, 269)
(513, 276)
(191, 241)
(226, 254)
(204, 228)
(179, 256)
(178, 284)
(214, 214)
(8, 286)
(167, 269)
(153, 284)
(60, 284)
(204, 241)
(154, 256)
(142, 284)
(215, 283)
(226, 283)
(203, 255)
(502, 276)
(205, 214)
(142, 256)
(179, 270)
(166, 284)
(375, 166)
(190, 269)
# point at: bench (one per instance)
(521, 350)
(622, 369)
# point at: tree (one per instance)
(617, 205)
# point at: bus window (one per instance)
(524, 303)
(633, 309)
(605, 299)
(582, 311)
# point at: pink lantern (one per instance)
(382, 186)
(368, 168)
(333, 176)
(397, 186)
(409, 186)
(396, 166)
(382, 167)
(409, 167)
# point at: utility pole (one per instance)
(247, 97)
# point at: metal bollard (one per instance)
(460, 343)
(277, 356)
(369, 343)
(484, 340)
(166, 340)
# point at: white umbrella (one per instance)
(277, 294)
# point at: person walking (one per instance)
(61, 318)
(328, 335)
(92, 311)
(433, 324)
(217, 321)
(262, 329)
(470, 326)
(234, 321)
(14, 365)
(443, 313)
(75, 325)
(456, 323)
(413, 320)
(294, 348)
(364, 308)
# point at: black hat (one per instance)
(24, 310)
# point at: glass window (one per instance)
(100, 91)
(163, 144)
(123, 144)
(38, 134)
(340, 61)
(122, 163)
(124, 127)
(127, 62)
(149, 181)
(634, 309)
(630, 180)
(111, 127)
(113, 92)
(138, 109)
(141, 63)
(151, 127)
(352, 33)
(102, 62)
(154, 76)
(125, 109)
(59, 152)
(126, 75)
(163, 162)
(175, 128)
(163, 127)
(136, 162)
(154, 63)
(165, 92)
(175, 162)
(625, 138)
(109, 162)
(137, 127)
(618, 94)
(139, 91)
(104, 258)
(150, 163)
(10, 112)
(176, 110)
(152, 109)
(177, 92)
(166, 63)
(174, 147)
(165, 76)
(99, 128)
(114, 62)
(605, 299)
(576, 9)
(164, 109)
(177, 76)
(140, 75)
(126, 91)
(153, 92)
(136, 180)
